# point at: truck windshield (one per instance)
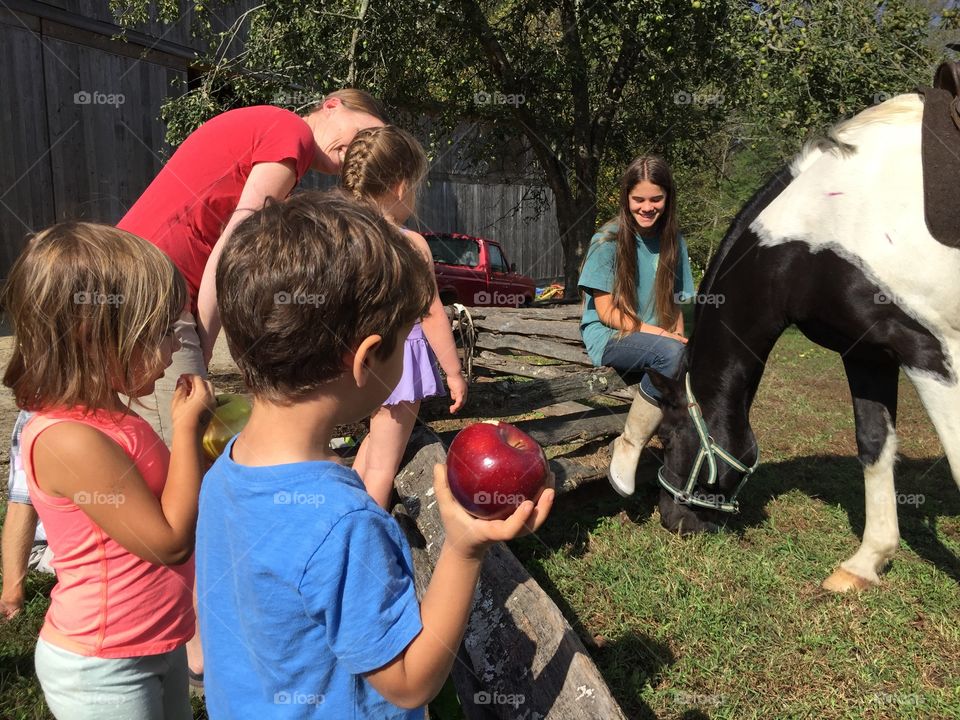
(454, 251)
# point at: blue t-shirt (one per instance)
(599, 272)
(304, 584)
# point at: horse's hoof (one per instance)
(845, 581)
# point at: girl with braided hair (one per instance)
(385, 166)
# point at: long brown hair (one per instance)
(655, 170)
(90, 306)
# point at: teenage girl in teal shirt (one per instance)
(635, 274)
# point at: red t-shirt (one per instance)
(185, 208)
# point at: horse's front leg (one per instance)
(874, 391)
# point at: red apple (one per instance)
(492, 467)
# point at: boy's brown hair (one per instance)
(89, 305)
(302, 282)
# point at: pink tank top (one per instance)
(108, 602)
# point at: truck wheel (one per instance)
(448, 298)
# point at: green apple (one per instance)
(229, 417)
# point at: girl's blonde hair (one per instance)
(89, 305)
(379, 159)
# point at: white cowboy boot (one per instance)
(642, 422)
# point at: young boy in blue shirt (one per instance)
(305, 585)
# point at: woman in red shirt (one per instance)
(224, 171)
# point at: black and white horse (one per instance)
(836, 244)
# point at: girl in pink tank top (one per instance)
(92, 309)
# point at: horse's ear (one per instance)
(671, 391)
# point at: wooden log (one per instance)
(545, 347)
(557, 313)
(568, 330)
(563, 429)
(507, 397)
(522, 652)
(509, 365)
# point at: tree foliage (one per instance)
(726, 89)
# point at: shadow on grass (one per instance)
(924, 487)
(632, 660)
(926, 493)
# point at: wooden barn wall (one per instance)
(506, 213)
(71, 148)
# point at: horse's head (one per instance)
(704, 467)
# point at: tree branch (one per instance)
(476, 21)
(616, 82)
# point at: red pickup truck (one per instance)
(474, 271)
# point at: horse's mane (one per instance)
(904, 109)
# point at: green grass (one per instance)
(735, 625)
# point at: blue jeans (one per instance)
(632, 355)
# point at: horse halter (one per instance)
(709, 451)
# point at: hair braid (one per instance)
(380, 158)
(353, 171)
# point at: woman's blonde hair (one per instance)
(379, 159)
(89, 305)
(356, 100)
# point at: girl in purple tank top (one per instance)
(385, 166)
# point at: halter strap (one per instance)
(709, 451)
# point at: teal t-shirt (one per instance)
(598, 275)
